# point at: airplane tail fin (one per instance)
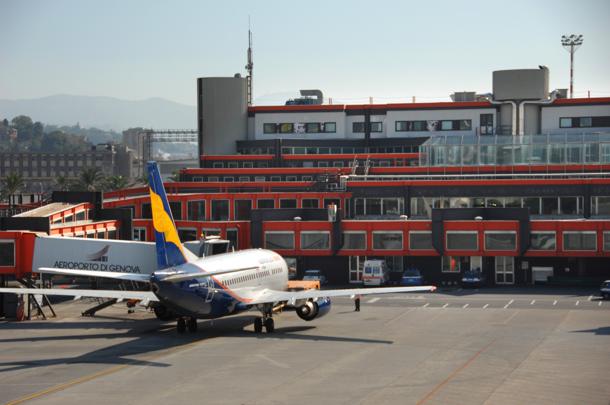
(169, 249)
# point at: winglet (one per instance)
(169, 249)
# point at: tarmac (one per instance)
(493, 346)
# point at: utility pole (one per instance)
(571, 43)
(250, 65)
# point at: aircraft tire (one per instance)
(269, 325)
(192, 325)
(258, 325)
(181, 325)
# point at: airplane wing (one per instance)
(128, 295)
(190, 276)
(145, 278)
(272, 296)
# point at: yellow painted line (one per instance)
(98, 374)
(69, 384)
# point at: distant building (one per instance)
(46, 167)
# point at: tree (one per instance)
(24, 126)
(90, 179)
(11, 184)
(63, 183)
(116, 183)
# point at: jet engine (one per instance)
(314, 309)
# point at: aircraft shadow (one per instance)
(159, 337)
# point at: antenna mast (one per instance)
(250, 65)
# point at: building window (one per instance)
(220, 210)
(310, 203)
(139, 234)
(600, 205)
(176, 209)
(376, 126)
(7, 253)
(354, 240)
(313, 240)
(542, 241)
(420, 240)
(573, 240)
(80, 216)
(265, 203)
(500, 240)
(486, 124)
(248, 165)
(387, 240)
(358, 127)
(550, 206)
(312, 127)
(279, 240)
(269, 128)
(232, 165)
(187, 234)
(571, 205)
(451, 264)
(291, 178)
(205, 232)
(330, 127)
(288, 203)
(243, 208)
(275, 178)
(286, 128)
(446, 125)
(244, 179)
(400, 126)
(462, 240)
(584, 122)
(606, 241)
(196, 210)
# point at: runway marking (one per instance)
(554, 302)
(510, 318)
(372, 300)
(577, 302)
(446, 305)
(465, 306)
(485, 306)
(453, 374)
(533, 302)
(509, 302)
(275, 363)
(427, 303)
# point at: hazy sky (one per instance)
(136, 49)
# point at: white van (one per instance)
(375, 273)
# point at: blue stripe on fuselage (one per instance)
(200, 297)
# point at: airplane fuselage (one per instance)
(224, 294)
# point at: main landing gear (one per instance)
(186, 323)
(266, 320)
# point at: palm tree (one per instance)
(90, 179)
(62, 183)
(116, 183)
(12, 183)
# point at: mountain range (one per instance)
(106, 113)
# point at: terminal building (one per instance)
(515, 183)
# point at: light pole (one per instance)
(571, 44)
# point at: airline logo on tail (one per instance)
(169, 249)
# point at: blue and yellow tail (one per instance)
(169, 249)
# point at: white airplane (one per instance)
(188, 288)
